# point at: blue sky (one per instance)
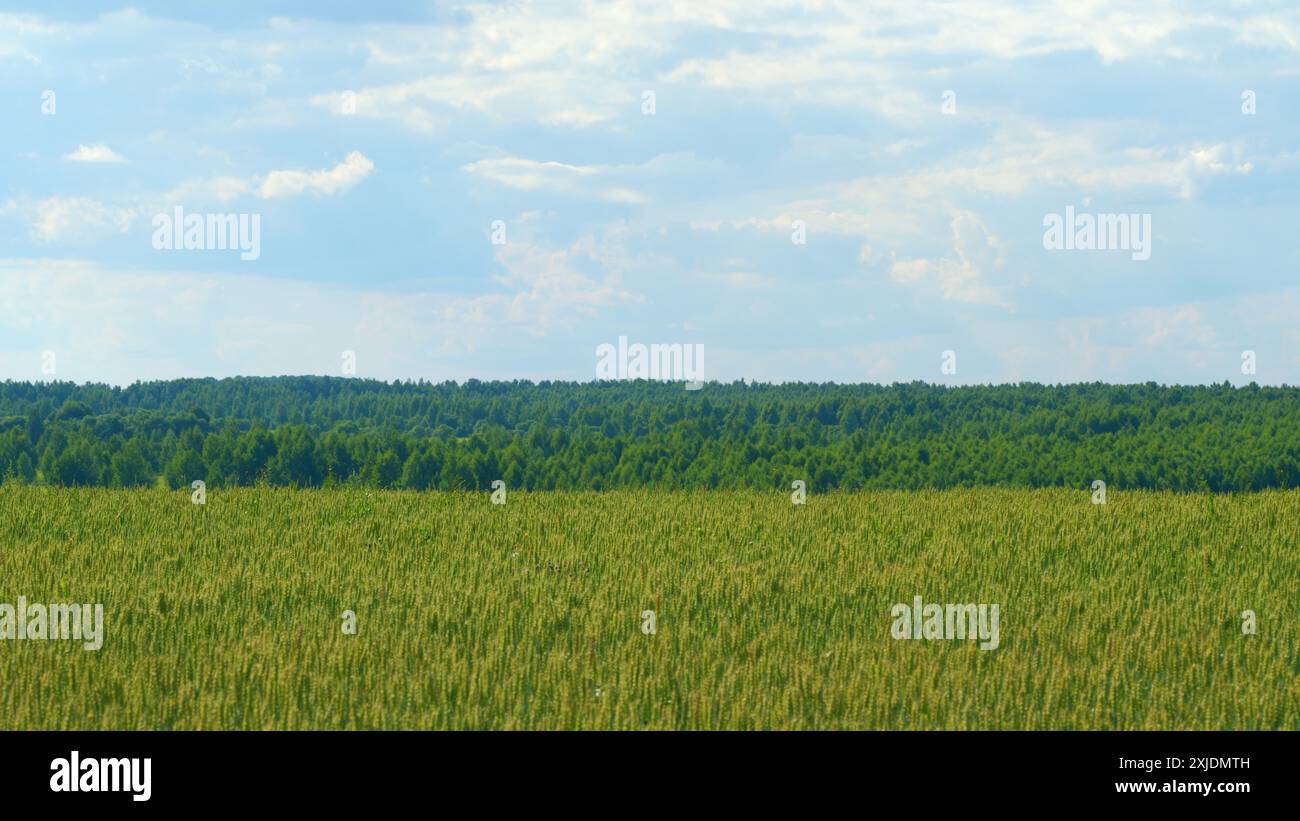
(378, 143)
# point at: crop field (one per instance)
(532, 614)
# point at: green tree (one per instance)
(184, 468)
(420, 469)
(130, 468)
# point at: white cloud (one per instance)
(277, 184)
(79, 219)
(60, 219)
(94, 153)
(549, 289)
(531, 175)
(354, 168)
(220, 189)
(541, 63)
(964, 278)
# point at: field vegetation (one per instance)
(768, 614)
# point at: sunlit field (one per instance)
(766, 614)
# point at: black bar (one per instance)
(965, 770)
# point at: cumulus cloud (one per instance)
(94, 153)
(964, 276)
(61, 219)
(277, 184)
(549, 289)
(79, 219)
(354, 168)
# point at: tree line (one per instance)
(313, 431)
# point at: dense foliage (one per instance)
(314, 431)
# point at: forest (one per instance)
(315, 431)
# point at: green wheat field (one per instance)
(528, 615)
